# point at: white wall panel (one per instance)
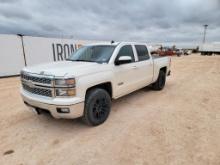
(41, 50)
(11, 55)
(37, 50)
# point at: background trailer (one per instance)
(210, 48)
(11, 54)
(18, 51)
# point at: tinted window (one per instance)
(142, 52)
(126, 51)
(99, 53)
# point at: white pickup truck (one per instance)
(85, 84)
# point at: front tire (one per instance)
(97, 106)
(161, 80)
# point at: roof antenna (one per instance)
(112, 42)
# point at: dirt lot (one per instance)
(179, 125)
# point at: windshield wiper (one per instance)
(81, 60)
(98, 62)
(84, 60)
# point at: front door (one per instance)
(125, 78)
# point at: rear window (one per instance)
(142, 52)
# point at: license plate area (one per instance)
(33, 109)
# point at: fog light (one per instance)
(63, 110)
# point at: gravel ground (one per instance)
(179, 125)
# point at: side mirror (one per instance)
(123, 60)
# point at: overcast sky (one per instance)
(138, 20)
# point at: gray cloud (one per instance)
(8, 1)
(142, 20)
(15, 14)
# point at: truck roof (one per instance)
(114, 44)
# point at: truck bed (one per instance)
(160, 62)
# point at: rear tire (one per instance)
(161, 80)
(97, 107)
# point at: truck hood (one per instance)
(66, 68)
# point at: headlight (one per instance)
(70, 82)
(65, 92)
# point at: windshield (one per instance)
(99, 53)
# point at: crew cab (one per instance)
(85, 84)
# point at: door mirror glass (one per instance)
(123, 60)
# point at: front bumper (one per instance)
(75, 110)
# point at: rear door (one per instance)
(144, 66)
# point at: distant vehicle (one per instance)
(167, 52)
(187, 52)
(210, 48)
(179, 52)
(84, 85)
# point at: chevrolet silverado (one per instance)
(85, 84)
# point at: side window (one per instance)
(142, 52)
(126, 51)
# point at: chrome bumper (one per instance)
(76, 110)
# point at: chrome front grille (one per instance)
(37, 90)
(42, 80)
(38, 84)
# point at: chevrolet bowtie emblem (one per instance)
(30, 84)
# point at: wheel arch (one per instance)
(164, 69)
(107, 86)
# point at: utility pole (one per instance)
(22, 44)
(204, 35)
